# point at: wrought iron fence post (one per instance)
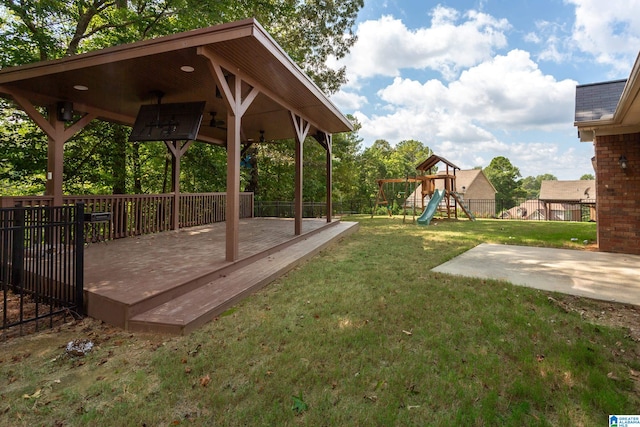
(79, 261)
(17, 251)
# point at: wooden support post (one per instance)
(231, 91)
(301, 127)
(55, 159)
(57, 134)
(177, 151)
(329, 142)
(232, 217)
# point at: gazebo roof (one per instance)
(118, 80)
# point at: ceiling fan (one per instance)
(214, 123)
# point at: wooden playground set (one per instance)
(442, 198)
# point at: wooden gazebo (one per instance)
(236, 69)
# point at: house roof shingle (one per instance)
(568, 191)
(598, 100)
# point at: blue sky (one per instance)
(478, 79)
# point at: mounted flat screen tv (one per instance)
(168, 122)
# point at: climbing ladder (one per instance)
(464, 208)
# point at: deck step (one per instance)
(187, 312)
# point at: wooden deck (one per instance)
(175, 281)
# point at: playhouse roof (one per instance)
(434, 160)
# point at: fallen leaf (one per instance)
(35, 395)
(371, 397)
(299, 405)
(204, 381)
(195, 350)
(187, 370)
(407, 332)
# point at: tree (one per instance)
(346, 150)
(504, 177)
(405, 157)
(531, 186)
(310, 31)
(587, 176)
(373, 166)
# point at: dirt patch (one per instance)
(616, 315)
(35, 316)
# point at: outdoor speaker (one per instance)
(65, 111)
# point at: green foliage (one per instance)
(347, 164)
(23, 153)
(382, 161)
(405, 157)
(504, 177)
(587, 176)
(100, 160)
(531, 186)
(310, 31)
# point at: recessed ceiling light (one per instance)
(80, 87)
(187, 68)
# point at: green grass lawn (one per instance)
(362, 335)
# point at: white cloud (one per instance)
(507, 92)
(553, 39)
(453, 42)
(466, 120)
(511, 92)
(348, 101)
(482, 104)
(609, 31)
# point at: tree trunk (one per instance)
(119, 160)
(137, 173)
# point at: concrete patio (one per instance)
(598, 275)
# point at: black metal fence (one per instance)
(518, 209)
(286, 209)
(532, 209)
(41, 265)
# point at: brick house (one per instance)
(476, 190)
(564, 199)
(608, 114)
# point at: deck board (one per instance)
(128, 277)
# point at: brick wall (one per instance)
(618, 193)
(480, 188)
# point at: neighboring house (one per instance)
(608, 114)
(476, 191)
(527, 210)
(565, 199)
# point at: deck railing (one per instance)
(137, 214)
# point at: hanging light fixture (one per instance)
(623, 162)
